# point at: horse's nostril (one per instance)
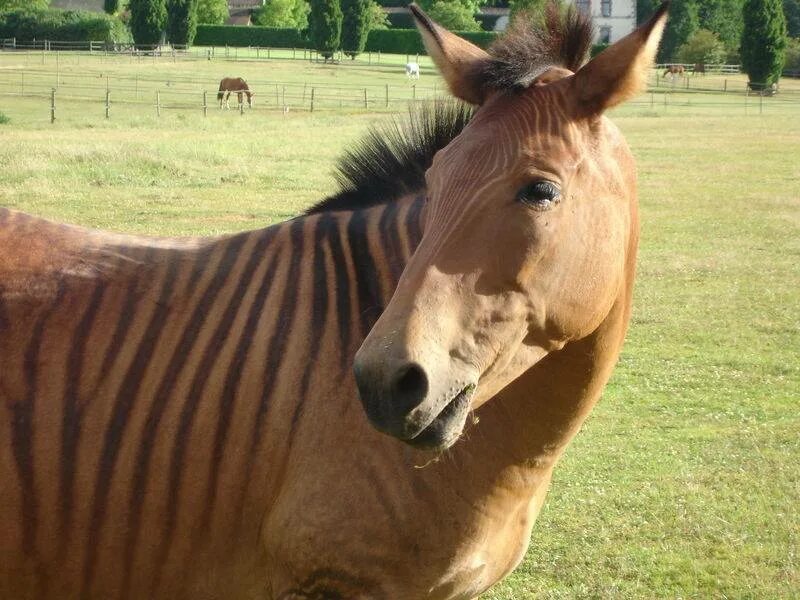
(410, 387)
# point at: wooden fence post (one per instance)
(387, 95)
(108, 101)
(366, 103)
(53, 105)
(205, 103)
(312, 99)
(241, 107)
(158, 103)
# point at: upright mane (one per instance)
(559, 37)
(391, 160)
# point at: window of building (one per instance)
(605, 35)
(584, 6)
(605, 8)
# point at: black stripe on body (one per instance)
(390, 237)
(342, 291)
(231, 386)
(120, 417)
(413, 224)
(319, 311)
(22, 427)
(279, 337)
(367, 285)
(175, 365)
(210, 354)
(73, 412)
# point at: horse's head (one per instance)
(529, 227)
(250, 98)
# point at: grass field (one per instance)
(685, 481)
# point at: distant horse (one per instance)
(699, 68)
(674, 70)
(412, 70)
(237, 85)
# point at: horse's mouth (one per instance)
(447, 426)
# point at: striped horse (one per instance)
(208, 418)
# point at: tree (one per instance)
(723, 17)
(763, 42)
(356, 18)
(111, 6)
(454, 15)
(377, 18)
(291, 14)
(682, 23)
(212, 12)
(181, 21)
(529, 7)
(791, 10)
(470, 5)
(148, 18)
(703, 47)
(325, 26)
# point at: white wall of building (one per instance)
(613, 19)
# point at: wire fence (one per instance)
(192, 53)
(102, 92)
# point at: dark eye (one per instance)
(540, 195)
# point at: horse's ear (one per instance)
(458, 60)
(620, 71)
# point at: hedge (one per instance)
(394, 41)
(62, 25)
(234, 35)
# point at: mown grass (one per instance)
(685, 480)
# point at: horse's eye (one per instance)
(540, 195)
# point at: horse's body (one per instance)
(236, 85)
(674, 70)
(699, 68)
(412, 70)
(180, 420)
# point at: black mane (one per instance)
(560, 37)
(391, 160)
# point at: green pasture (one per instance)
(685, 481)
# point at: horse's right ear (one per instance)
(620, 71)
(458, 60)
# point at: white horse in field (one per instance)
(412, 70)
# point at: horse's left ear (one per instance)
(620, 71)
(458, 60)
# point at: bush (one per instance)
(793, 55)
(453, 15)
(763, 42)
(703, 47)
(4, 119)
(408, 41)
(62, 25)
(283, 14)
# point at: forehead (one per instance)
(528, 126)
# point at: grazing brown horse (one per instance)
(180, 418)
(699, 68)
(674, 70)
(237, 85)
